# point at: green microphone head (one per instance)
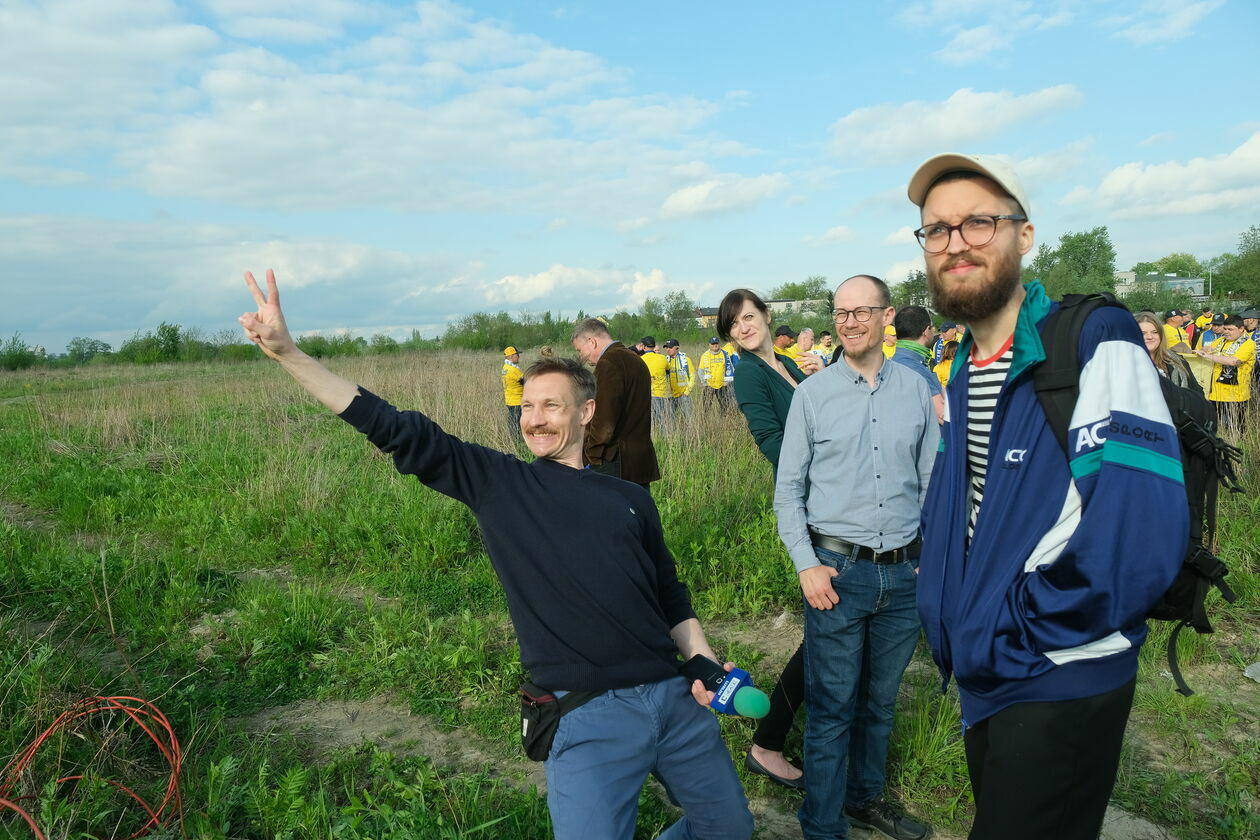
(751, 702)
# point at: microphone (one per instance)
(734, 693)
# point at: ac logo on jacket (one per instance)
(1091, 436)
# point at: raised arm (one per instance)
(267, 329)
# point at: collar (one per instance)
(857, 378)
(1028, 349)
(909, 344)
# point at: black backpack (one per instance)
(1207, 462)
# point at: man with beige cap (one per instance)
(1034, 579)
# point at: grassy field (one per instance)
(332, 648)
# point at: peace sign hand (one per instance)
(266, 327)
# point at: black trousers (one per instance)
(786, 700)
(1044, 771)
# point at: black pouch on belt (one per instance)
(540, 716)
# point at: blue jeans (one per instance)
(605, 749)
(855, 654)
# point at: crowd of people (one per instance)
(919, 489)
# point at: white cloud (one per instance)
(631, 225)
(832, 236)
(599, 287)
(557, 224)
(431, 108)
(979, 28)
(898, 271)
(901, 236)
(1160, 21)
(122, 277)
(726, 192)
(1201, 185)
(1158, 137)
(896, 132)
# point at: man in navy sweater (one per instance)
(590, 585)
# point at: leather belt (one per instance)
(891, 557)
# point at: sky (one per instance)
(401, 165)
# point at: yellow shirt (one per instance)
(889, 350)
(1202, 321)
(942, 371)
(729, 347)
(682, 374)
(1245, 352)
(713, 368)
(512, 386)
(658, 366)
(1174, 335)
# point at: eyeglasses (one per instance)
(861, 314)
(976, 231)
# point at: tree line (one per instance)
(1080, 262)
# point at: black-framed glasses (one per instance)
(861, 314)
(976, 231)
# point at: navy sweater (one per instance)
(591, 587)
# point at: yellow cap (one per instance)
(510, 351)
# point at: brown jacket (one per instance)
(622, 426)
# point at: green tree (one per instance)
(1042, 263)
(1084, 262)
(15, 355)
(81, 349)
(813, 288)
(167, 337)
(680, 312)
(1181, 264)
(1145, 268)
(911, 291)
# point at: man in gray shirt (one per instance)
(858, 448)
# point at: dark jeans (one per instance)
(855, 654)
(723, 397)
(1044, 771)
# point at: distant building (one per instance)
(706, 316)
(1126, 280)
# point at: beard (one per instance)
(971, 301)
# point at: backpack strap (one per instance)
(1057, 380)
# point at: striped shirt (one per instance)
(984, 381)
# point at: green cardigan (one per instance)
(764, 398)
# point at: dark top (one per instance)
(622, 425)
(590, 585)
(765, 397)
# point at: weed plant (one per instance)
(209, 538)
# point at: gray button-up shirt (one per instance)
(856, 460)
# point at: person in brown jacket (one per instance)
(619, 437)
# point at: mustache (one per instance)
(965, 257)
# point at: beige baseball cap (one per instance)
(988, 165)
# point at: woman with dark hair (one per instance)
(1168, 364)
(764, 385)
(942, 367)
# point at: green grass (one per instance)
(209, 538)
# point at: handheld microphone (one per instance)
(734, 693)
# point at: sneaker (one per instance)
(880, 815)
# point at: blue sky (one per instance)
(400, 165)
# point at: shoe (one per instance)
(752, 765)
(880, 815)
